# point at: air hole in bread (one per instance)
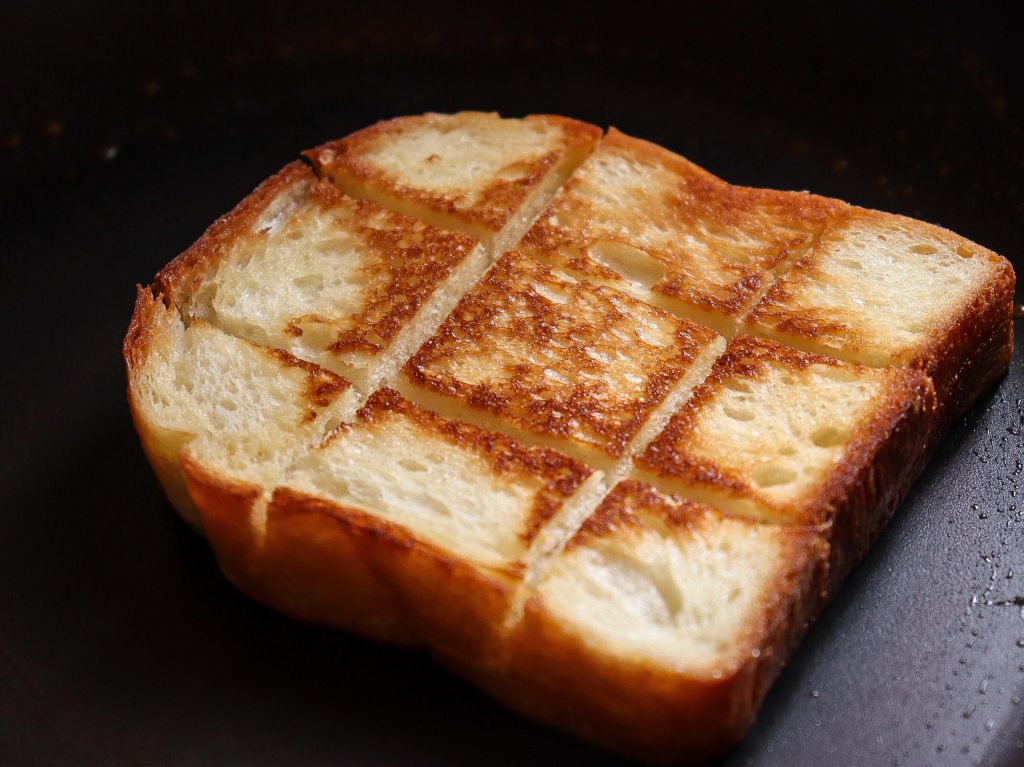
(734, 385)
(631, 263)
(316, 333)
(734, 253)
(963, 252)
(787, 450)
(835, 373)
(739, 414)
(314, 282)
(772, 474)
(410, 464)
(551, 295)
(923, 248)
(648, 586)
(828, 436)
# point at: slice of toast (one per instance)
(572, 365)
(642, 219)
(479, 512)
(886, 290)
(473, 172)
(788, 437)
(660, 628)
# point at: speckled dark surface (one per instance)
(124, 131)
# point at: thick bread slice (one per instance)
(405, 526)
(472, 171)
(660, 628)
(886, 290)
(343, 283)
(793, 438)
(572, 365)
(238, 409)
(470, 513)
(643, 219)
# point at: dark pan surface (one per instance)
(126, 130)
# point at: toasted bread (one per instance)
(793, 438)
(886, 290)
(239, 409)
(645, 220)
(473, 171)
(660, 628)
(599, 430)
(572, 365)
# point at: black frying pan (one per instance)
(126, 129)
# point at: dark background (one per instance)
(125, 128)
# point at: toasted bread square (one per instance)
(343, 283)
(572, 365)
(793, 438)
(472, 171)
(885, 290)
(661, 625)
(439, 515)
(642, 219)
(240, 409)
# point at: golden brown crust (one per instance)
(715, 244)
(561, 476)
(551, 362)
(136, 345)
(161, 446)
(182, 276)
(345, 162)
(646, 709)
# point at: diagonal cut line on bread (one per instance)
(241, 410)
(609, 470)
(559, 362)
(885, 290)
(473, 172)
(642, 219)
(787, 437)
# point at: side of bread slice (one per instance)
(659, 629)
(241, 409)
(887, 290)
(402, 526)
(473, 171)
